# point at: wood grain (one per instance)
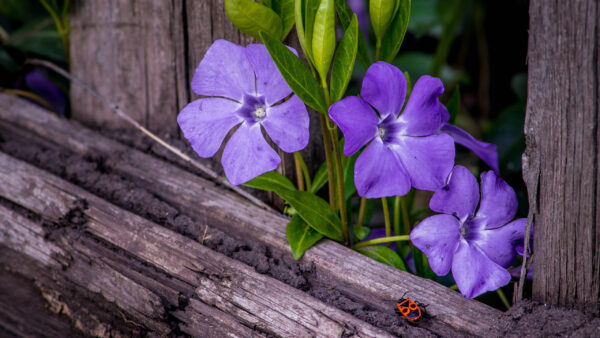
(375, 284)
(561, 131)
(130, 52)
(182, 265)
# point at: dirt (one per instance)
(93, 173)
(530, 319)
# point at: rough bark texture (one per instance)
(151, 273)
(374, 285)
(561, 163)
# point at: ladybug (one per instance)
(409, 309)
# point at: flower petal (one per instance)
(224, 71)
(357, 121)
(486, 151)
(384, 87)
(287, 125)
(437, 236)
(206, 122)
(269, 82)
(247, 155)
(423, 113)
(499, 244)
(378, 173)
(459, 197)
(475, 273)
(498, 201)
(428, 160)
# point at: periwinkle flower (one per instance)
(242, 87)
(477, 244)
(405, 150)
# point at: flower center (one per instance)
(260, 112)
(253, 109)
(381, 131)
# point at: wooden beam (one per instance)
(183, 266)
(561, 165)
(374, 284)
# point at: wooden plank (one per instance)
(130, 52)
(374, 284)
(561, 165)
(232, 287)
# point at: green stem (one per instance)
(396, 223)
(407, 227)
(453, 287)
(381, 240)
(299, 176)
(361, 211)
(503, 298)
(377, 50)
(341, 196)
(397, 215)
(300, 160)
(327, 147)
(386, 217)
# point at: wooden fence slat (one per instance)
(132, 53)
(561, 165)
(232, 287)
(373, 283)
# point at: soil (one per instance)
(93, 172)
(530, 319)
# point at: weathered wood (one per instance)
(21, 303)
(562, 138)
(375, 284)
(182, 265)
(131, 53)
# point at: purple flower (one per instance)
(486, 151)
(243, 88)
(41, 85)
(478, 246)
(405, 150)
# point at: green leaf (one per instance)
(271, 181)
(344, 60)
(252, 18)
(323, 37)
(319, 179)
(421, 264)
(296, 74)
(453, 105)
(345, 15)
(299, 18)
(300, 236)
(285, 10)
(384, 255)
(46, 42)
(310, 12)
(361, 232)
(394, 36)
(381, 12)
(314, 211)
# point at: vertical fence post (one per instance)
(561, 158)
